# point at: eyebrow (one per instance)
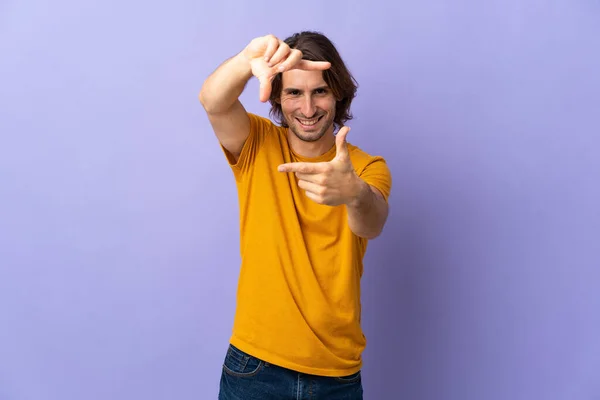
(291, 89)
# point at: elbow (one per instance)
(203, 100)
(211, 105)
(369, 234)
(375, 235)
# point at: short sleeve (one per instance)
(258, 128)
(377, 174)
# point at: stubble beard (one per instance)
(309, 136)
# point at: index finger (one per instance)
(308, 65)
(302, 167)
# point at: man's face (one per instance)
(307, 103)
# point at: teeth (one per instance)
(308, 121)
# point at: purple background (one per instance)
(119, 222)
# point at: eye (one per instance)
(294, 92)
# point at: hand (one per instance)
(269, 56)
(331, 183)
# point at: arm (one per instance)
(264, 58)
(219, 97)
(368, 211)
(336, 183)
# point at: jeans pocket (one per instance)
(349, 378)
(240, 364)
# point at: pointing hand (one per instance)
(331, 183)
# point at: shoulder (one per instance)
(260, 124)
(373, 169)
(263, 133)
(363, 160)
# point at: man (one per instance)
(309, 202)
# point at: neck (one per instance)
(311, 149)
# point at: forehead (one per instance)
(301, 79)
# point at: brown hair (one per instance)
(317, 47)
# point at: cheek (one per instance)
(327, 104)
(288, 105)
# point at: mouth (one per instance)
(308, 123)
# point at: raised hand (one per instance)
(331, 183)
(269, 56)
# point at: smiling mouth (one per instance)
(309, 122)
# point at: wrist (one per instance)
(242, 62)
(360, 191)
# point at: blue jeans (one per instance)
(245, 377)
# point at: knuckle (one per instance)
(296, 55)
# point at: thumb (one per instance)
(265, 88)
(341, 144)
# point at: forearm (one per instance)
(367, 212)
(225, 85)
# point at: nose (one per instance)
(308, 107)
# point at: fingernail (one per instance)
(281, 68)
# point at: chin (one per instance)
(311, 135)
(308, 136)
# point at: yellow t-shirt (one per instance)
(298, 298)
